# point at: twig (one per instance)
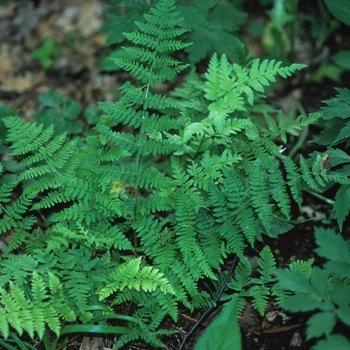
(209, 309)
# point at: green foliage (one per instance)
(259, 289)
(223, 333)
(336, 133)
(325, 289)
(336, 112)
(139, 212)
(211, 26)
(63, 114)
(48, 53)
(340, 9)
(280, 33)
(232, 87)
(208, 24)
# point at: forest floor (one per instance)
(74, 27)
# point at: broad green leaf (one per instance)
(320, 282)
(294, 281)
(344, 314)
(219, 17)
(338, 269)
(337, 156)
(320, 324)
(300, 303)
(223, 333)
(335, 341)
(51, 99)
(203, 5)
(331, 245)
(340, 9)
(342, 59)
(328, 70)
(338, 106)
(340, 294)
(278, 14)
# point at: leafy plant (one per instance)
(335, 133)
(48, 53)
(281, 32)
(223, 333)
(211, 26)
(324, 290)
(63, 114)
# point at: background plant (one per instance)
(324, 290)
(48, 53)
(211, 26)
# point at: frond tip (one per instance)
(130, 275)
(231, 87)
(151, 63)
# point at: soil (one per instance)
(75, 25)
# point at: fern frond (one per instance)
(185, 229)
(260, 194)
(315, 183)
(264, 73)
(267, 266)
(156, 34)
(260, 297)
(232, 233)
(260, 292)
(294, 180)
(14, 219)
(213, 84)
(229, 86)
(120, 113)
(200, 263)
(79, 289)
(25, 136)
(242, 276)
(168, 304)
(129, 275)
(157, 241)
(278, 187)
(185, 281)
(305, 267)
(6, 190)
(247, 222)
(46, 152)
(22, 315)
(209, 239)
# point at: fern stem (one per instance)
(137, 192)
(200, 145)
(210, 308)
(323, 198)
(303, 134)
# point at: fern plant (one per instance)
(140, 212)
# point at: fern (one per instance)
(287, 124)
(258, 289)
(130, 275)
(261, 195)
(19, 313)
(231, 87)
